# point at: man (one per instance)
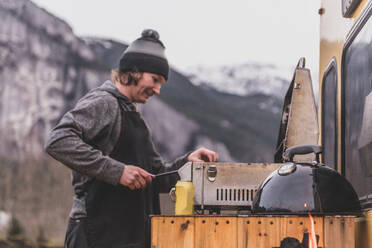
(107, 145)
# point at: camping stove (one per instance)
(219, 186)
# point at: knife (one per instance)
(164, 174)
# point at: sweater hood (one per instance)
(110, 87)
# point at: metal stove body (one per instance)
(219, 186)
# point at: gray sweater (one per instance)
(86, 135)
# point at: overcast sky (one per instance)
(205, 32)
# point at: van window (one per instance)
(329, 124)
(357, 109)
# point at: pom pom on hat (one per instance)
(150, 33)
(146, 54)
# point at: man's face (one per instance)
(147, 86)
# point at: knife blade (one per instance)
(164, 174)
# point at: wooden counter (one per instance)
(214, 231)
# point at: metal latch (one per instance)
(212, 173)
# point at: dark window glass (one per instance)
(357, 115)
(329, 128)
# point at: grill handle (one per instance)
(303, 149)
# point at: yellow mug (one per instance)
(184, 197)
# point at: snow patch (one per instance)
(4, 220)
(105, 43)
(243, 79)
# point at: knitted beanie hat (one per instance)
(146, 54)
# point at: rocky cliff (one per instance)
(44, 69)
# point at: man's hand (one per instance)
(203, 155)
(134, 177)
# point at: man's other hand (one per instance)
(203, 155)
(134, 177)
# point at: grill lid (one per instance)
(305, 187)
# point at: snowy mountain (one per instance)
(243, 79)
